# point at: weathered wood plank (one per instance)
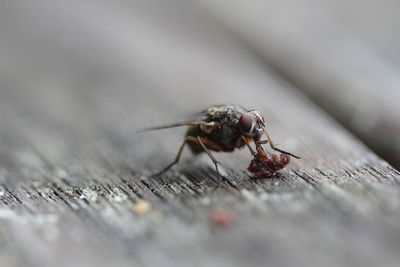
(75, 91)
(343, 54)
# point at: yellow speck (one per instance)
(69, 191)
(141, 207)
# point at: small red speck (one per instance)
(220, 217)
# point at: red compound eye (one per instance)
(245, 122)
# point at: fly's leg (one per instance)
(272, 145)
(206, 127)
(248, 146)
(204, 143)
(214, 160)
(178, 156)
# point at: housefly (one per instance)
(223, 128)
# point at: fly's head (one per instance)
(252, 124)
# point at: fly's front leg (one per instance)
(272, 145)
(258, 145)
(247, 144)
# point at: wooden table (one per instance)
(76, 83)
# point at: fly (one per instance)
(224, 128)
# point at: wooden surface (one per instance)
(78, 81)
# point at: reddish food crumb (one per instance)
(263, 167)
(221, 217)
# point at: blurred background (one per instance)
(68, 68)
(79, 78)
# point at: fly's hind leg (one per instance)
(177, 158)
(204, 143)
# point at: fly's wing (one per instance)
(172, 125)
(195, 120)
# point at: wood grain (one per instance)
(75, 89)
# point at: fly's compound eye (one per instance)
(246, 123)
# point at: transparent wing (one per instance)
(195, 120)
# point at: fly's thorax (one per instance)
(227, 114)
(225, 135)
